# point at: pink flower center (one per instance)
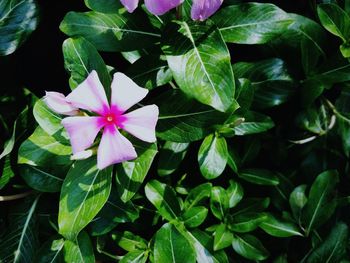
(113, 118)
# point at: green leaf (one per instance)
(20, 241)
(248, 205)
(222, 238)
(333, 249)
(197, 195)
(195, 216)
(235, 193)
(246, 222)
(219, 202)
(80, 58)
(170, 157)
(171, 246)
(320, 205)
(40, 149)
(84, 192)
(137, 256)
(249, 247)
(18, 19)
(254, 123)
(184, 120)
(297, 200)
(129, 242)
(6, 173)
(163, 198)
(51, 251)
(130, 175)
(251, 23)
(212, 156)
(80, 250)
(50, 122)
(104, 6)
(157, 72)
(279, 228)
(259, 176)
(270, 80)
(200, 62)
(111, 32)
(335, 20)
(244, 92)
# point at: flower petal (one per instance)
(125, 92)
(90, 95)
(130, 5)
(114, 148)
(160, 7)
(57, 102)
(82, 131)
(142, 122)
(202, 9)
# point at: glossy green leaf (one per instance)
(212, 156)
(18, 19)
(129, 242)
(20, 242)
(333, 249)
(235, 193)
(131, 174)
(200, 62)
(222, 238)
(170, 157)
(270, 79)
(248, 205)
(197, 195)
(84, 192)
(184, 120)
(297, 200)
(171, 246)
(320, 205)
(163, 198)
(6, 173)
(251, 23)
(246, 222)
(104, 6)
(249, 247)
(110, 32)
(195, 216)
(136, 256)
(279, 228)
(259, 176)
(40, 149)
(80, 58)
(254, 123)
(335, 20)
(219, 202)
(80, 250)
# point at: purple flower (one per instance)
(114, 147)
(156, 7)
(202, 9)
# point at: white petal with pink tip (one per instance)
(125, 92)
(82, 131)
(114, 148)
(90, 95)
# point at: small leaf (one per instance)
(170, 157)
(197, 195)
(80, 250)
(51, 251)
(279, 228)
(171, 246)
(249, 247)
(223, 237)
(254, 123)
(235, 193)
(136, 256)
(219, 202)
(246, 222)
(163, 198)
(129, 242)
(84, 192)
(297, 200)
(259, 176)
(195, 216)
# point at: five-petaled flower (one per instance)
(90, 96)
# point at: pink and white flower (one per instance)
(156, 7)
(202, 9)
(114, 147)
(57, 102)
